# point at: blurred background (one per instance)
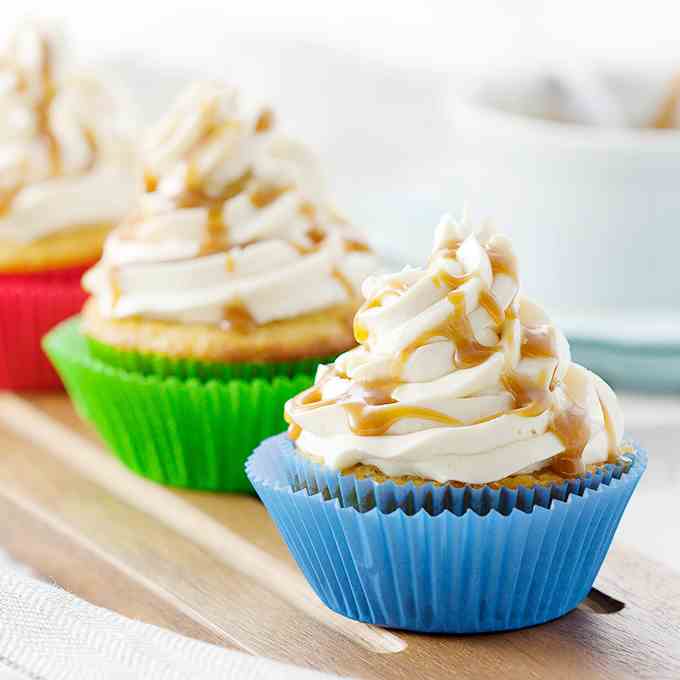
(541, 115)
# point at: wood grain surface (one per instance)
(213, 567)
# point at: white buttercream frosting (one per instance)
(66, 154)
(457, 377)
(235, 215)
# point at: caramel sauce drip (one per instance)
(456, 328)
(501, 262)
(150, 182)
(265, 121)
(354, 246)
(43, 109)
(91, 141)
(371, 421)
(194, 195)
(294, 431)
(42, 112)
(373, 393)
(360, 331)
(344, 282)
(116, 289)
(7, 198)
(488, 301)
(215, 237)
(614, 452)
(316, 235)
(538, 342)
(571, 426)
(668, 114)
(239, 318)
(312, 397)
(308, 210)
(530, 399)
(443, 278)
(266, 195)
(229, 264)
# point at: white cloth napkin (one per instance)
(48, 634)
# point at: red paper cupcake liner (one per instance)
(30, 306)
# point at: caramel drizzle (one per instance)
(360, 331)
(116, 288)
(266, 195)
(669, 111)
(456, 328)
(571, 427)
(344, 282)
(216, 237)
(7, 197)
(538, 341)
(488, 301)
(354, 246)
(371, 411)
(443, 278)
(368, 421)
(315, 234)
(42, 111)
(502, 262)
(265, 121)
(614, 452)
(239, 318)
(150, 182)
(294, 431)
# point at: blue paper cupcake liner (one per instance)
(365, 494)
(442, 571)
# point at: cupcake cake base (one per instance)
(317, 334)
(402, 565)
(63, 250)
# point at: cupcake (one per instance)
(67, 177)
(455, 472)
(215, 299)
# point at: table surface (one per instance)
(213, 566)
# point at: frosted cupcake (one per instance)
(467, 475)
(67, 176)
(232, 277)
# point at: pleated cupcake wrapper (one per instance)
(30, 306)
(180, 432)
(152, 364)
(445, 573)
(365, 494)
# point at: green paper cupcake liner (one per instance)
(155, 364)
(177, 431)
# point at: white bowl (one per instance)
(594, 214)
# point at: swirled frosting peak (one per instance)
(66, 156)
(457, 377)
(234, 224)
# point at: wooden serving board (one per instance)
(213, 567)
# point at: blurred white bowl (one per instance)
(594, 213)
